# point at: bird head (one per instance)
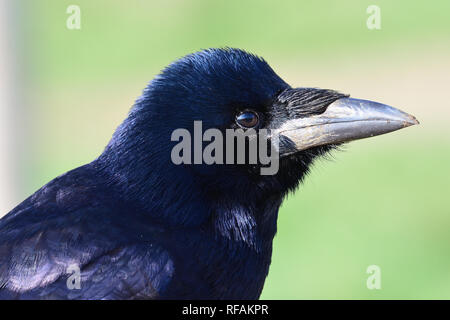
(232, 89)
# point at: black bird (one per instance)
(132, 224)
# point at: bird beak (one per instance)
(344, 120)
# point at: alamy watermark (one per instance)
(374, 280)
(74, 280)
(73, 22)
(374, 20)
(238, 146)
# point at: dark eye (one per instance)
(247, 119)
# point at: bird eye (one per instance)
(247, 119)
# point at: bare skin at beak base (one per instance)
(344, 120)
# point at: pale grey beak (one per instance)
(344, 120)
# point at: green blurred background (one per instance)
(382, 201)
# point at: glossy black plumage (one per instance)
(141, 227)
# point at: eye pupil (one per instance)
(247, 119)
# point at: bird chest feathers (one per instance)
(232, 256)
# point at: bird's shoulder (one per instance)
(75, 222)
(76, 189)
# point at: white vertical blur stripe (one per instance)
(7, 185)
